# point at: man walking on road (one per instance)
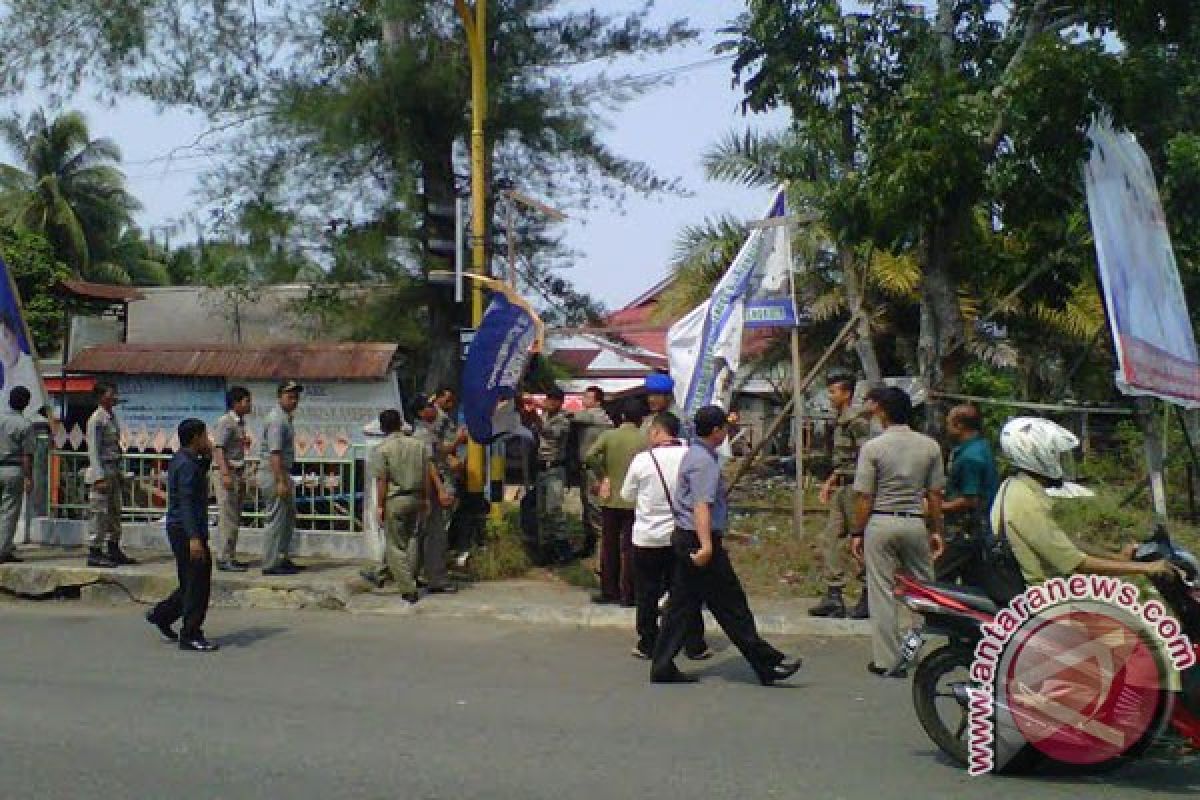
(229, 445)
(971, 486)
(648, 484)
(16, 469)
(897, 470)
(703, 574)
(106, 481)
(850, 430)
(610, 458)
(277, 455)
(187, 531)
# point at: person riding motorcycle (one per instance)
(1036, 448)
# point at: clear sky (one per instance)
(622, 252)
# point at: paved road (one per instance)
(323, 705)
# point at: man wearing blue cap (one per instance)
(660, 397)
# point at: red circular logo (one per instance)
(1083, 686)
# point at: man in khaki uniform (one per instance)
(898, 471)
(229, 455)
(106, 481)
(551, 479)
(610, 458)
(16, 469)
(404, 472)
(589, 423)
(851, 429)
(276, 456)
(428, 556)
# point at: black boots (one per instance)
(97, 558)
(832, 605)
(862, 609)
(118, 557)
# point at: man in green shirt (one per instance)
(971, 485)
(610, 458)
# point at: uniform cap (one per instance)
(290, 386)
(657, 383)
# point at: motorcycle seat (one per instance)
(969, 597)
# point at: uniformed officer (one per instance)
(276, 456)
(851, 429)
(897, 471)
(610, 457)
(16, 469)
(452, 467)
(551, 480)
(589, 423)
(106, 479)
(704, 575)
(428, 554)
(229, 448)
(404, 475)
(971, 485)
(660, 397)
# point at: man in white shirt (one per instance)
(649, 484)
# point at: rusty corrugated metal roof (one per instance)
(97, 292)
(313, 362)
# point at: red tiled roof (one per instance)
(313, 361)
(96, 292)
(576, 361)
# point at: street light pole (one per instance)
(475, 26)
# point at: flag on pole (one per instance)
(1151, 327)
(18, 359)
(704, 348)
(508, 335)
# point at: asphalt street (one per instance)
(329, 705)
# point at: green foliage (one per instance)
(504, 557)
(34, 268)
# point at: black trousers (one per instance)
(717, 587)
(653, 571)
(190, 600)
(616, 555)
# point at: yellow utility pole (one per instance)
(475, 25)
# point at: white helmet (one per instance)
(1037, 445)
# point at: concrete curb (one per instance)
(524, 602)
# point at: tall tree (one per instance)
(35, 268)
(66, 186)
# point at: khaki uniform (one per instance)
(16, 442)
(1041, 547)
(104, 464)
(404, 462)
(591, 423)
(229, 435)
(429, 554)
(280, 524)
(899, 467)
(850, 431)
(552, 476)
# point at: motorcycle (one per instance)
(943, 682)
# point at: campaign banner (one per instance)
(495, 364)
(771, 298)
(18, 361)
(1151, 327)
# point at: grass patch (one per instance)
(772, 561)
(579, 573)
(504, 557)
(1101, 522)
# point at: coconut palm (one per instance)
(66, 186)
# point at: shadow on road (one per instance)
(248, 637)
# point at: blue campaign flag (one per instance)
(18, 362)
(496, 362)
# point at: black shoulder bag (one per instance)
(1001, 574)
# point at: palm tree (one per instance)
(65, 185)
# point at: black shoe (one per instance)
(601, 600)
(198, 645)
(674, 677)
(282, 569)
(232, 566)
(11, 558)
(701, 655)
(629, 604)
(411, 597)
(118, 557)
(639, 653)
(832, 605)
(372, 578)
(781, 672)
(447, 589)
(96, 558)
(166, 631)
(862, 609)
(885, 672)
(292, 565)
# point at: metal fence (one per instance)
(328, 491)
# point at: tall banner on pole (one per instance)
(18, 361)
(704, 348)
(499, 354)
(1151, 328)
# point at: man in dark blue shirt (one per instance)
(971, 484)
(187, 531)
(703, 574)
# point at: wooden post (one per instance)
(798, 389)
(1154, 457)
